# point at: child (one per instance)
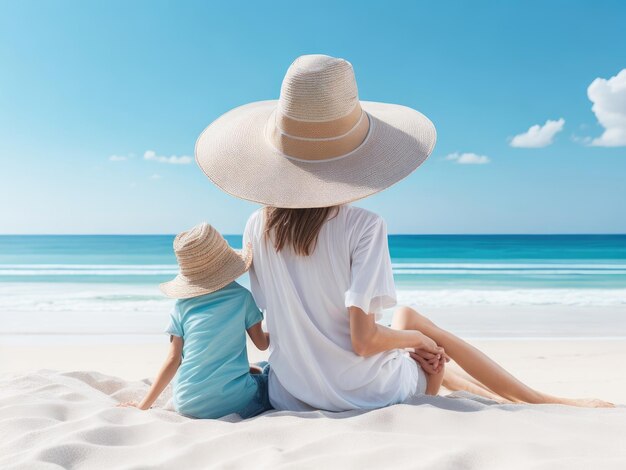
(207, 332)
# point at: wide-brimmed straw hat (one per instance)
(317, 145)
(206, 262)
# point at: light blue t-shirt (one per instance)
(214, 379)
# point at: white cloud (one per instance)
(468, 158)
(538, 136)
(173, 159)
(609, 106)
(117, 158)
(581, 140)
(155, 177)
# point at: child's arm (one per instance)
(260, 339)
(165, 376)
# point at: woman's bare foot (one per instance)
(587, 402)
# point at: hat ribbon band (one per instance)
(314, 149)
(318, 129)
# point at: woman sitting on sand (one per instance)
(321, 268)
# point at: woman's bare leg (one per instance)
(462, 375)
(481, 367)
(454, 381)
(434, 381)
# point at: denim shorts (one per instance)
(261, 401)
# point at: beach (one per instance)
(464, 160)
(81, 330)
(584, 367)
(58, 399)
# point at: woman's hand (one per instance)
(428, 354)
(426, 343)
(428, 367)
(431, 363)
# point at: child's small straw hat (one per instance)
(206, 262)
(317, 145)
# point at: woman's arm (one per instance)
(165, 376)
(260, 339)
(369, 338)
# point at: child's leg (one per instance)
(479, 366)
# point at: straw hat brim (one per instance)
(235, 155)
(183, 288)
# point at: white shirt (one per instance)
(306, 300)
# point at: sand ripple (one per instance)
(57, 420)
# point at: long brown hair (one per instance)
(297, 228)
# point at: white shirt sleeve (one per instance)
(252, 234)
(372, 287)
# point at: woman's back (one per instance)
(306, 300)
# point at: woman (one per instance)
(321, 268)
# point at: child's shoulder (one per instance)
(237, 301)
(234, 290)
(242, 291)
(231, 296)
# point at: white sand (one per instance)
(54, 419)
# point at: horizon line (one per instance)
(482, 234)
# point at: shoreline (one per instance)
(61, 315)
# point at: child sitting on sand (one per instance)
(207, 332)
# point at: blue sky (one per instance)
(81, 82)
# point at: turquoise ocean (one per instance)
(108, 283)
